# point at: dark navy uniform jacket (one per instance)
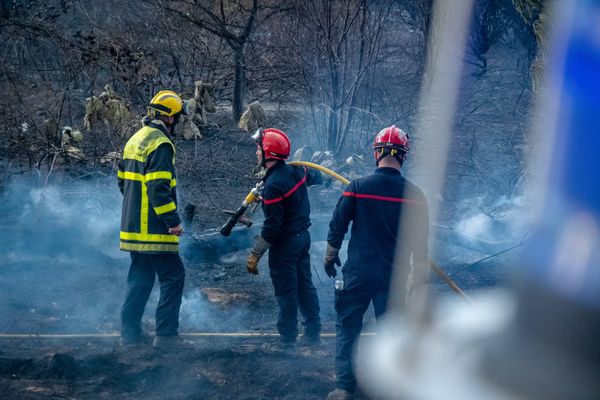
(285, 200)
(375, 204)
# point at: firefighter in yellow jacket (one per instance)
(150, 225)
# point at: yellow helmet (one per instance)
(165, 102)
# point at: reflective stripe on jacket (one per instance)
(147, 181)
(285, 200)
(375, 205)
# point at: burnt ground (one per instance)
(61, 273)
(213, 368)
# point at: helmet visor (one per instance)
(257, 136)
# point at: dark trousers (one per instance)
(350, 305)
(289, 266)
(171, 275)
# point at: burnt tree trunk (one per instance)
(239, 82)
(334, 115)
(4, 8)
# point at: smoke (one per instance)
(87, 214)
(505, 221)
(60, 269)
(198, 314)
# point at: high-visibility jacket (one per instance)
(147, 181)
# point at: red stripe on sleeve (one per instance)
(380, 198)
(271, 201)
(288, 194)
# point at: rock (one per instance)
(304, 153)
(220, 296)
(58, 365)
(112, 157)
(355, 161)
(189, 129)
(74, 152)
(70, 136)
(253, 118)
(106, 108)
(323, 158)
(203, 95)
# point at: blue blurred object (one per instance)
(551, 349)
(565, 255)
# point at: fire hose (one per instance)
(322, 169)
(254, 196)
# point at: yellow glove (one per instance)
(252, 264)
(260, 246)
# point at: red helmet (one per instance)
(275, 144)
(392, 138)
(391, 141)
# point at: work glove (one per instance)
(260, 247)
(252, 264)
(331, 260)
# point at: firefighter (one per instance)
(376, 205)
(150, 225)
(285, 234)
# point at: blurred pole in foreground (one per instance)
(543, 342)
(437, 106)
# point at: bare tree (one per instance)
(417, 15)
(334, 44)
(352, 65)
(231, 20)
(37, 66)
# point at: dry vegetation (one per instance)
(350, 66)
